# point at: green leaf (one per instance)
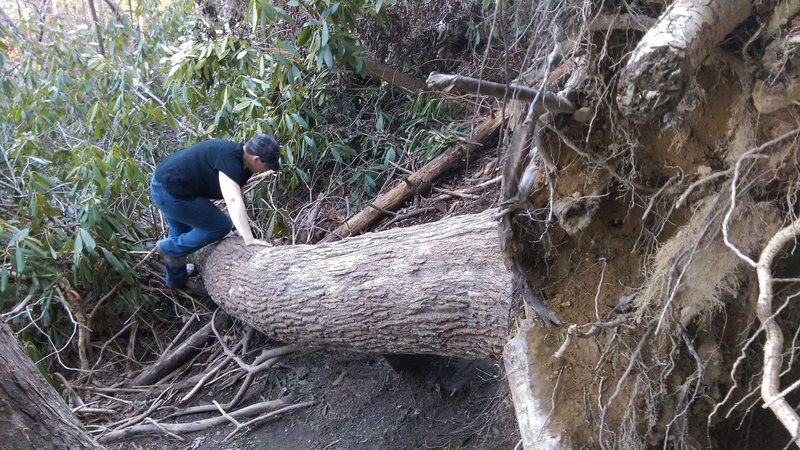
(254, 16)
(242, 105)
(310, 141)
(77, 247)
(4, 280)
(328, 56)
(114, 261)
(288, 121)
(378, 6)
(325, 35)
(18, 236)
(299, 119)
(20, 259)
(221, 48)
(88, 240)
(304, 36)
(174, 69)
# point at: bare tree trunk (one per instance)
(438, 288)
(655, 78)
(34, 416)
(114, 8)
(97, 28)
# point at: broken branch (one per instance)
(553, 103)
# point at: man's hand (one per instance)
(260, 242)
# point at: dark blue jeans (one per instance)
(193, 224)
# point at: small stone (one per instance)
(583, 115)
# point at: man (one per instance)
(184, 184)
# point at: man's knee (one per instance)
(222, 228)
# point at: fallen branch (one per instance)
(395, 77)
(265, 361)
(419, 181)
(264, 417)
(552, 102)
(190, 427)
(170, 361)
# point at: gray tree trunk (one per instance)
(438, 288)
(34, 416)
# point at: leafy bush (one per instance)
(85, 129)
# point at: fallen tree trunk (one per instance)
(438, 288)
(418, 182)
(656, 76)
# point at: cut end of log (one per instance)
(653, 86)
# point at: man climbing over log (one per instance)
(185, 182)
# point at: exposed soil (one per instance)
(361, 402)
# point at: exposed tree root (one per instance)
(773, 347)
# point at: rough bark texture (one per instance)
(34, 416)
(656, 76)
(438, 288)
(418, 182)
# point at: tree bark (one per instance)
(656, 76)
(34, 416)
(439, 288)
(395, 77)
(418, 182)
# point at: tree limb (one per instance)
(419, 181)
(395, 77)
(170, 361)
(656, 76)
(102, 47)
(553, 103)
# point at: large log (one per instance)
(34, 416)
(439, 288)
(667, 57)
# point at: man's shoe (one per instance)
(191, 270)
(170, 260)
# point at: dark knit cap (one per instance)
(267, 148)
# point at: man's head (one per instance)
(266, 151)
